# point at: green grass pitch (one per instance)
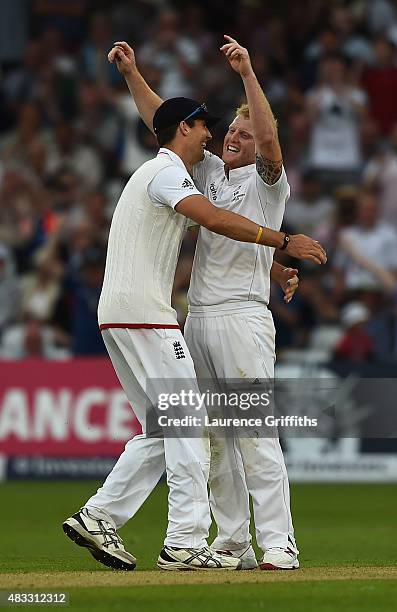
(346, 534)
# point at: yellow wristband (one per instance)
(259, 235)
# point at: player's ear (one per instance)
(184, 127)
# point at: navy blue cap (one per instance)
(173, 111)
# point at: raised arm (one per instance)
(268, 152)
(146, 100)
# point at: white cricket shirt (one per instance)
(226, 271)
(335, 139)
(144, 243)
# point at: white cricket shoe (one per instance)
(279, 558)
(101, 539)
(196, 559)
(246, 554)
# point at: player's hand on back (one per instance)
(124, 56)
(237, 55)
(304, 247)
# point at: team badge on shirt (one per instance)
(178, 348)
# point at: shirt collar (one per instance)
(175, 158)
(237, 174)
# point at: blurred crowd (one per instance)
(70, 137)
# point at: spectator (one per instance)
(29, 127)
(40, 289)
(95, 209)
(326, 43)
(310, 209)
(94, 53)
(99, 123)
(355, 345)
(84, 291)
(367, 260)
(195, 29)
(19, 210)
(348, 24)
(175, 56)
(380, 15)
(335, 110)
(381, 171)
(66, 15)
(36, 162)
(68, 152)
(21, 84)
(380, 83)
(31, 338)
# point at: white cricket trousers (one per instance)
(139, 355)
(240, 344)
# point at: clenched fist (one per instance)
(124, 56)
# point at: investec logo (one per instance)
(91, 415)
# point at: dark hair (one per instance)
(166, 136)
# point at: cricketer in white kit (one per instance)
(230, 331)
(144, 342)
(230, 335)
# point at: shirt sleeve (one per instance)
(275, 194)
(202, 170)
(171, 185)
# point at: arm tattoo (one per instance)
(268, 170)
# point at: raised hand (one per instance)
(237, 55)
(124, 56)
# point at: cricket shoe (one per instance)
(101, 539)
(279, 559)
(196, 559)
(245, 554)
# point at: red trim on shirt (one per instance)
(137, 326)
